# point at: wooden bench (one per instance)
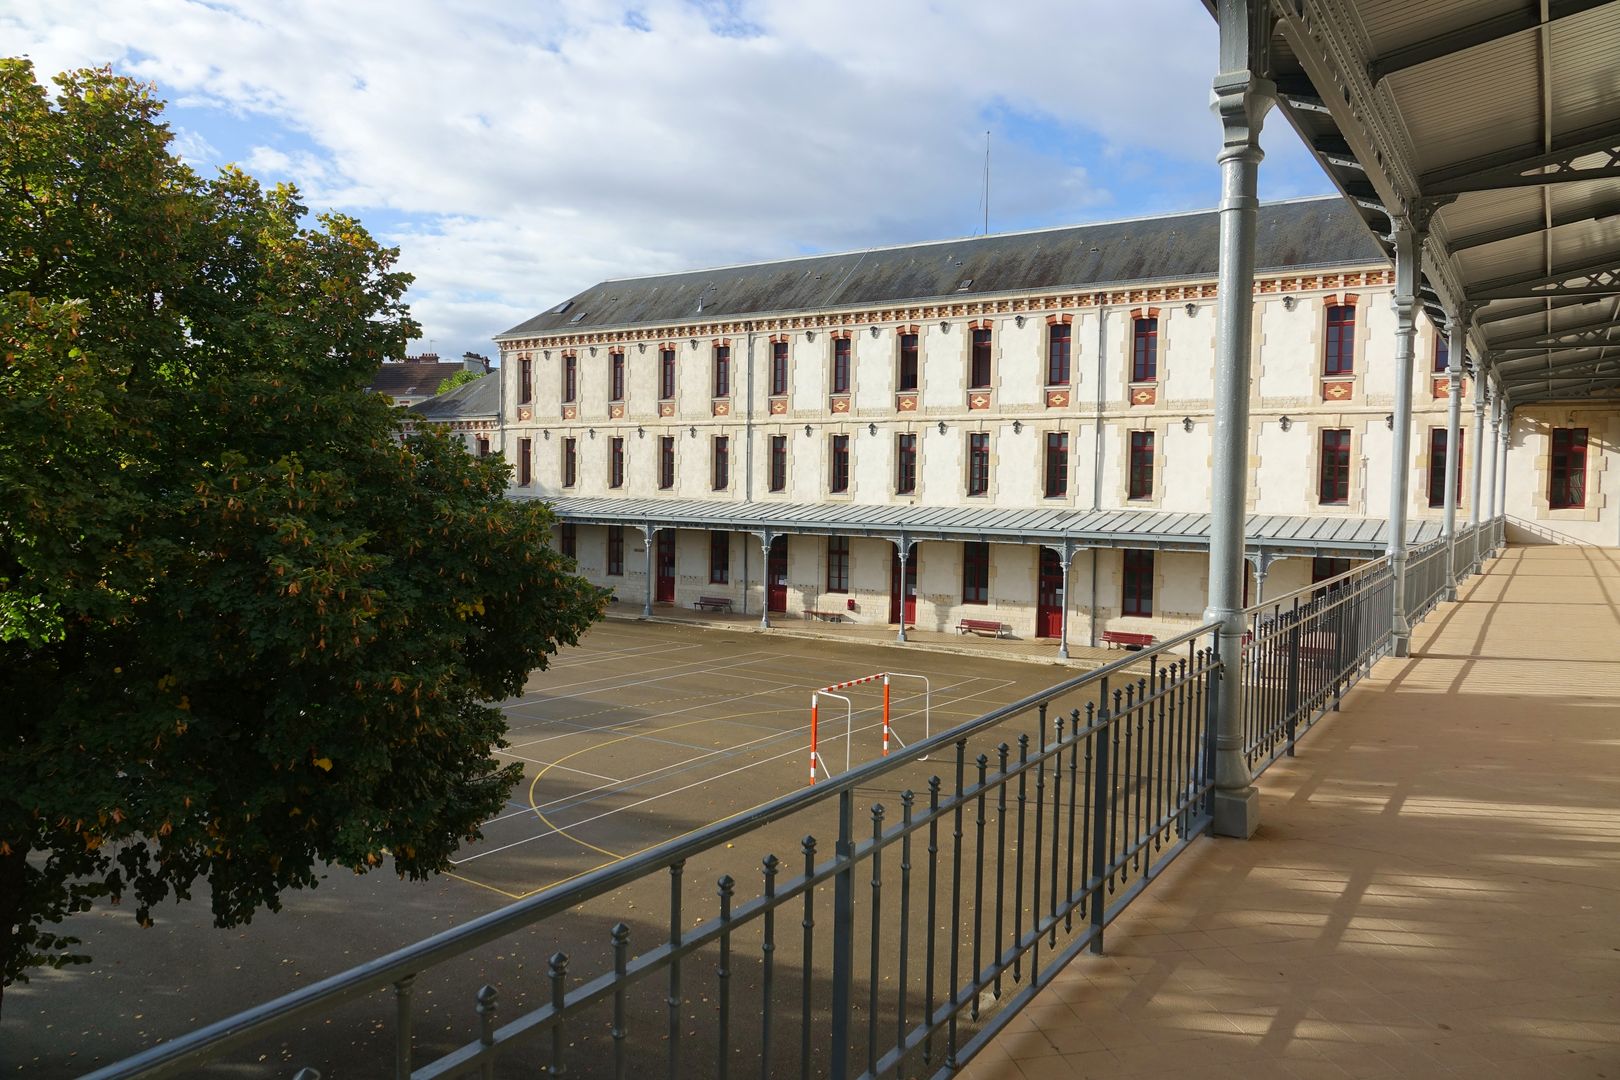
(982, 626)
(824, 616)
(1125, 639)
(712, 603)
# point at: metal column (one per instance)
(903, 550)
(1261, 561)
(1502, 464)
(1453, 447)
(1409, 237)
(1243, 94)
(647, 533)
(1479, 459)
(765, 540)
(1491, 444)
(1066, 553)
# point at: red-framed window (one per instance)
(1437, 466)
(1442, 351)
(525, 381)
(1566, 487)
(1138, 582)
(1339, 355)
(1333, 470)
(570, 462)
(1057, 464)
(1141, 465)
(719, 558)
(779, 367)
(1145, 350)
(666, 462)
(525, 469)
(978, 478)
(570, 387)
(616, 463)
(615, 550)
(907, 379)
(979, 368)
(720, 471)
(838, 564)
(840, 372)
(778, 477)
(838, 473)
(666, 374)
(905, 464)
(975, 573)
(616, 376)
(722, 371)
(483, 445)
(1057, 354)
(568, 539)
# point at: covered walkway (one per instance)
(1434, 890)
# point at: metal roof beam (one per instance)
(1514, 170)
(1473, 35)
(1550, 303)
(1595, 279)
(1513, 232)
(1598, 328)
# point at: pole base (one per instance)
(1401, 646)
(1237, 812)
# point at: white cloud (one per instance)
(535, 149)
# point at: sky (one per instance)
(519, 151)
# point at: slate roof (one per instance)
(1165, 530)
(1299, 234)
(413, 379)
(477, 399)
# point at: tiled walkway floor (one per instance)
(1434, 890)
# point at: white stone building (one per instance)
(1025, 419)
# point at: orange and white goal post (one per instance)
(819, 762)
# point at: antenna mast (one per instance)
(987, 183)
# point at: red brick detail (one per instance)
(779, 406)
(1052, 320)
(978, 399)
(905, 402)
(1144, 395)
(1057, 399)
(1337, 391)
(666, 408)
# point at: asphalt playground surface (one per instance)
(644, 733)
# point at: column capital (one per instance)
(1241, 99)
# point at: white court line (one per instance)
(626, 685)
(796, 750)
(567, 666)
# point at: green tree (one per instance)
(244, 634)
(460, 378)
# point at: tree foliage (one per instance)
(460, 378)
(245, 634)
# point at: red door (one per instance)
(666, 566)
(776, 574)
(909, 588)
(1049, 596)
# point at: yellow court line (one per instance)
(491, 888)
(533, 805)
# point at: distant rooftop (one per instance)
(1300, 234)
(479, 398)
(420, 376)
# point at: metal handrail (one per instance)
(398, 968)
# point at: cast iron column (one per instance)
(1454, 359)
(1408, 263)
(1479, 459)
(648, 532)
(1502, 465)
(903, 550)
(765, 539)
(1067, 555)
(1491, 443)
(1243, 94)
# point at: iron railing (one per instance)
(949, 899)
(1304, 650)
(1426, 579)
